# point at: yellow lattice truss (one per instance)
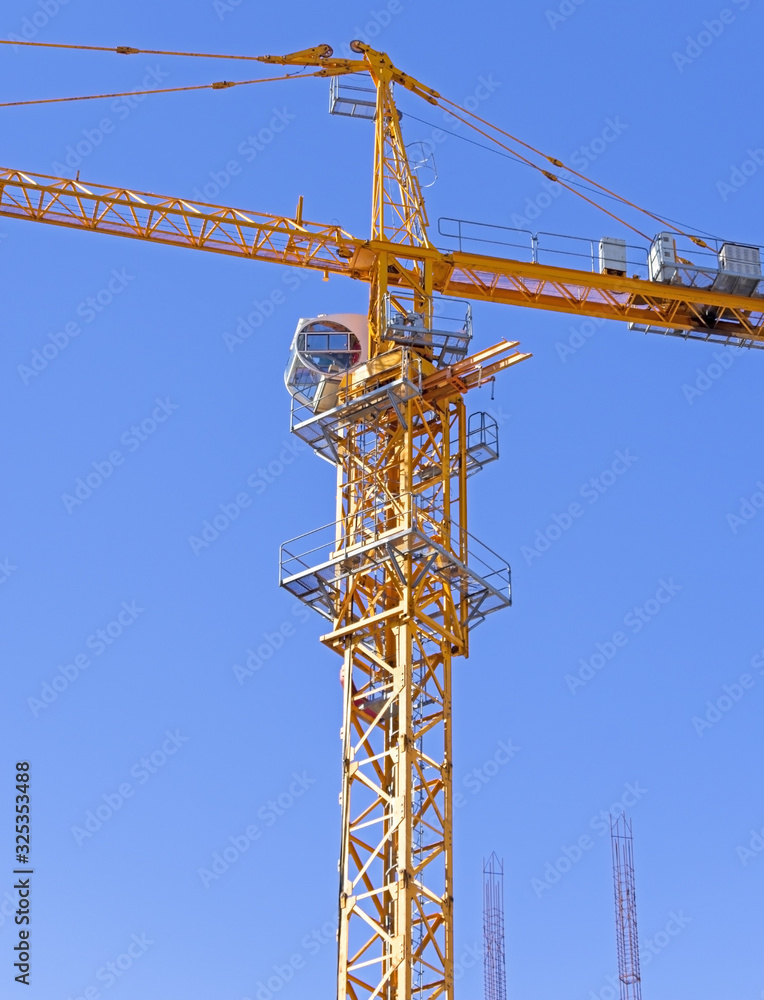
(329, 249)
(399, 479)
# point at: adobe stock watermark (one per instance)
(579, 336)
(121, 108)
(748, 509)
(111, 972)
(498, 415)
(102, 469)
(311, 944)
(8, 906)
(581, 159)
(98, 643)
(650, 948)
(741, 173)
(224, 7)
(732, 694)
(571, 854)
(711, 30)
(283, 972)
(259, 481)
(470, 956)
(88, 311)
(562, 13)
(479, 777)
(485, 88)
(268, 814)
(707, 378)
(142, 771)
(263, 309)
(249, 148)
(379, 19)
(591, 491)
(605, 652)
(7, 568)
(31, 26)
(755, 847)
(254, 659)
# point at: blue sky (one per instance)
(635, 618)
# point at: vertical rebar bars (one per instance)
(494, 966)
(622, 842)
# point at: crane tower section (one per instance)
(397, 576)
(401, 582)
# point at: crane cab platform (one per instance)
(387, 381)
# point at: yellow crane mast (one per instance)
(397, 575)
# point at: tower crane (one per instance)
(397, 576)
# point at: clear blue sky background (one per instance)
(684, 125)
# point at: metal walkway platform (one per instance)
(317, 567)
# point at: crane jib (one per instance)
(712, 315)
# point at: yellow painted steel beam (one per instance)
(330, 249)
(378, 64)
(397, 637)
(174, 221)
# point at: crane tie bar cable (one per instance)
(127, 50)
(219, 85)
(541, 170)
(683, 226)
(558, 163)
(224, 84)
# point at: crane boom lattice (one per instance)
(696, 313)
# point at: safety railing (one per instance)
(390, 381)
(694, 267)
(442, 331)
(317, 565)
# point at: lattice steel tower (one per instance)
(627, 938)
(494, 963)
(397, 575)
